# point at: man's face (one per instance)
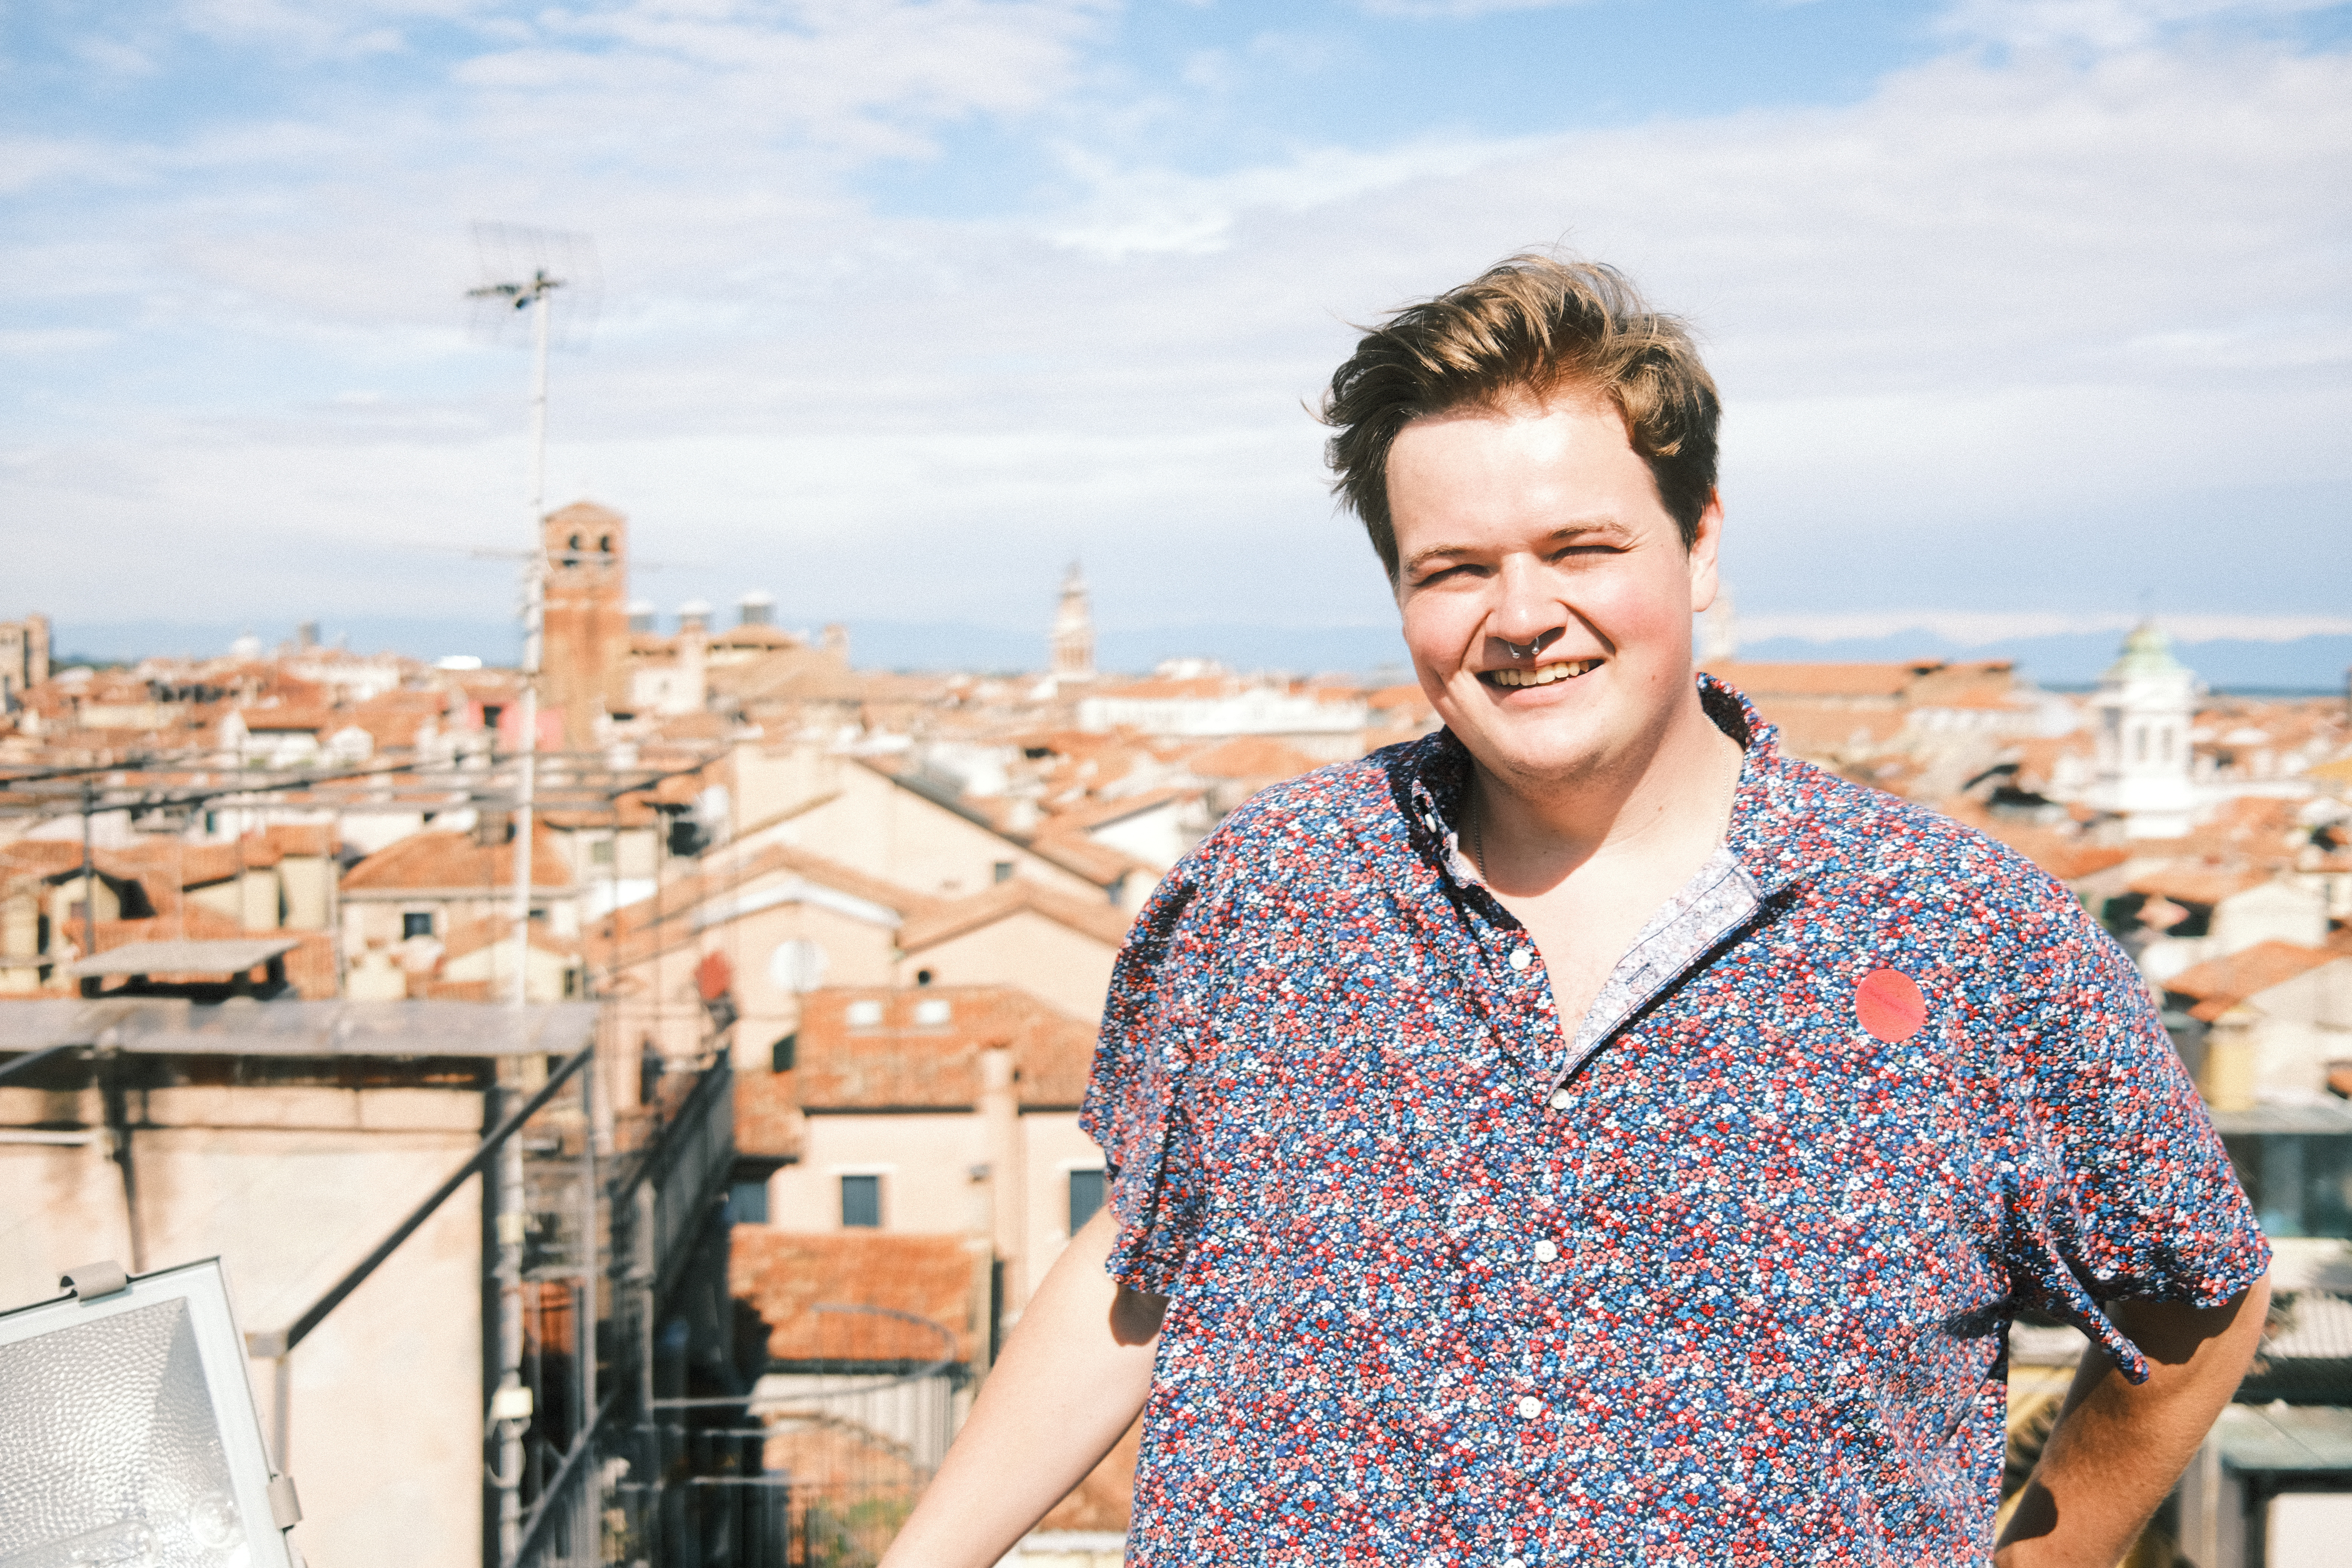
(1539, 526)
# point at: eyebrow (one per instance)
(1566, 533)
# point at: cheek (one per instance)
(1438, 631)
(1637, 609)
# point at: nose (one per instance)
(1525, 619)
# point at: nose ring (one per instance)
(1529, 650)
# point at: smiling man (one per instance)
(1588, 1134)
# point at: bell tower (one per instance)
(1074, 630)
(587, 636)
(2145, 704)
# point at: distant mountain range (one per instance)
(2313, 664)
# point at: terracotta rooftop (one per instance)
(903, 1062)
(944, 921)
(442, 862)
(1097, 812)
(786, 1276)
(472, 936)
(2064, 855)
(1251, 757)
(2206, 885)
(1847, 680)
(1099, 863)
(2219, 984)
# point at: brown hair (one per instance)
(1536, 326)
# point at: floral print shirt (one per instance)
(1726, 1279)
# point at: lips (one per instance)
(1542, 675)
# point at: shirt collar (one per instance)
(1772, 835)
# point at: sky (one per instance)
(2030, 317)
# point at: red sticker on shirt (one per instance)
(1889, 1004)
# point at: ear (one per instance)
(1705, 548)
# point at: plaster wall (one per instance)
(925, 1161)
(1055, 1148)
(1044, 957)
(885, 830)
(289, 1188)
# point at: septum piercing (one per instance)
(1529, 650)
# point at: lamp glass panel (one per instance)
(111, 1454)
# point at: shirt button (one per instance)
(1521, 958)
(1546, 1252)
(1560, 1099)
(1530, 1407)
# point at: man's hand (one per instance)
(1071, 1381)
(2117, 1450)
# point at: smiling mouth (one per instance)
(1542, 675)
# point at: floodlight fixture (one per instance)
(130, 1438)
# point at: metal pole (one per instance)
(584, 1331)
(281, 1399)
(89, 884)
(512, 1216)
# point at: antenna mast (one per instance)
(534, 293)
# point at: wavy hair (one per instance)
(1537, 327)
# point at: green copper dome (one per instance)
(2146, 652)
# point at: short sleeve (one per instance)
(1134, 1106)
(2125, 1189)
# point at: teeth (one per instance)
(1543, 675)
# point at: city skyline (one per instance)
(904, 305)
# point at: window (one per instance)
(923, 977)
(1005, 870)
(413, 924)
(601, 852)
(932, 1014)
(861, 1203)
(780, 1054)
(1086, 1198)
(491, 714)
(747, 1203)
(864, 1015)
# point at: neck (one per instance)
(1671, 788)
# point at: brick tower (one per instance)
(587, 615)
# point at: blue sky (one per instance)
(2028, 316)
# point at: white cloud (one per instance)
(2105, 25)
(1460, 10)
(1994, 298)
(1137, 211)
(1979, 628)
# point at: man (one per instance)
(1588, 1134)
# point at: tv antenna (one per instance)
(522, 268)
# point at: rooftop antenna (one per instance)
(522, 268)
(525, 268)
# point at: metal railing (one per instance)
(627, 1490)
(276, 1344)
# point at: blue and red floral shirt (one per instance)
(1723, 1279)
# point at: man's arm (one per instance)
(1069, 1385)
(2118, 1449)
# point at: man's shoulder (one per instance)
(1330, 807)
(1841, 829)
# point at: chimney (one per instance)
(694, 618)
(642, 616)
(1000, 1121)
(757, 608)
(836, 640)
